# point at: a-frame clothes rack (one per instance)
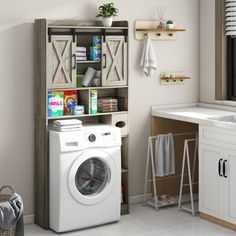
(150, 160)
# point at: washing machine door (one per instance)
(92, 177)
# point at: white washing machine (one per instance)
(85, 177)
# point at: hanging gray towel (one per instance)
(164, 155)
(10, 212)
(148, 60)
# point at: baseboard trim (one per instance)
(139, 198)
(28, 219)
(218, 221)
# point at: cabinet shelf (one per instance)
(85, 115)
(87, 88)
(88, 62)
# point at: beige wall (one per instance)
(207, 51)
(16, 73)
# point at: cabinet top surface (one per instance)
(196, 114)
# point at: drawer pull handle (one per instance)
(224, 168)
(219, 167)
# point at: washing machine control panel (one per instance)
(92, 138)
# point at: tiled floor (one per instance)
(144, 221)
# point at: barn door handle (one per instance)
(224, 169)
(105, 61)
(219, 167)
(74, 60)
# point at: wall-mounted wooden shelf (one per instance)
(142, 28)
(157, 30)
(175, 80)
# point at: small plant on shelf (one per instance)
(170, 24)
(107, 12)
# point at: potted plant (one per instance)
(107, 12)
(170, 24)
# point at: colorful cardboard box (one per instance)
(55, 103)
(93, 101)
(70, 101)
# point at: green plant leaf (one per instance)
(107, 10)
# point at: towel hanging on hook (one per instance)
(148, 59)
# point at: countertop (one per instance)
(197, 113)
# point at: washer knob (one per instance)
(92, 138)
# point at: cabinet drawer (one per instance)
(217, 136)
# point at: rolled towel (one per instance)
(96, 82)
(89, 75)
(98, 74)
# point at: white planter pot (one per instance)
(107, 22)
(170, 26)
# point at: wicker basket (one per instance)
(3, 198)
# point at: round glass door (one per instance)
(92, 176)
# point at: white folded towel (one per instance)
(148, 60)
(67, 122)
(81, 58)
(80, 49)
(80, 54)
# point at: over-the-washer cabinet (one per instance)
(217, 175)
(56, 69)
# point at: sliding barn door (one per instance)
(114, 70)
(61, 64)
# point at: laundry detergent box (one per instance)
(55, 103)
(93, 101)
(70, 101)
(97, 41)
(95, 53)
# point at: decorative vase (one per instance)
(107, 22)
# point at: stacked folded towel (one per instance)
(81, 53)
(67, 125)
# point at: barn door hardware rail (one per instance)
(78, 32)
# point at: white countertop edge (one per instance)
(165, 111)
(189, 105)
(174, 106)
(217, 106)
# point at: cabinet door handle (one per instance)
(224, 168)
(74, 61)
(219, 167)
(105, 61)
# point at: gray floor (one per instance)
(144, 221)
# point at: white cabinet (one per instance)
(210, 196)
(217, 174)
(230, 187)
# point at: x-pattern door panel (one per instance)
(114, 51)
(61, 62)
